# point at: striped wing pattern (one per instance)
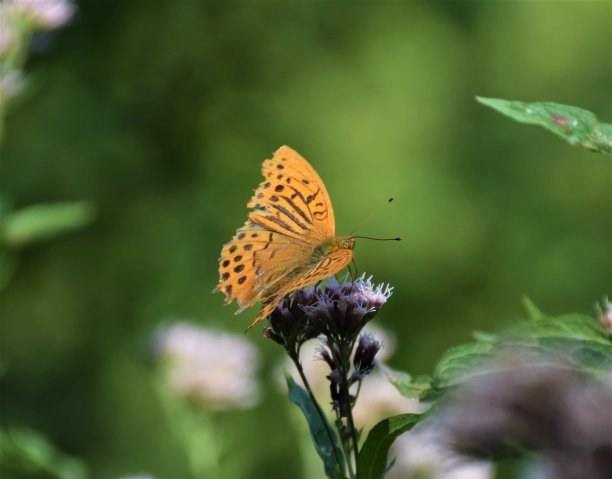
(271, 254)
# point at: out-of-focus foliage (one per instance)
(577, 126)
(20, 20)
(43, 221)
(28, 454)
(576, 341)
(162, 112)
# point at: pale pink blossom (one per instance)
(420, 453)
(316, 369)
(11, 83)
(605, 316)
(379, 399)
(211, 366)
(45, 14)
(8, 38)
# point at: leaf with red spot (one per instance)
(577, 126)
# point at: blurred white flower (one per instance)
(316, 369)
(605, 315)
(210, 366)
(11, 84)
(420, 453)
(45, 14)
(8, 37)
(386, 338)
(378, 398)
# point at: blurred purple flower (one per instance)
(423, 453)
(553, 410)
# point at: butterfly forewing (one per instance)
(292, 199)
(272, 254)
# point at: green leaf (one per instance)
(405, 384)
(323, 436)
(372, 462)
(577, 126)
(460, 362)
(533, 312)
(570, 326)
(577, 341)
(43, 221)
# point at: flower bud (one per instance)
(363, 360)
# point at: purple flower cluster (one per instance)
(336, 313)
(343, 309)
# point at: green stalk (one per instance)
(298, 365)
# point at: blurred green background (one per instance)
(161, 114)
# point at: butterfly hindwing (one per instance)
(327, 266)
(237, 278)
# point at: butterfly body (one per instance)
(329, 247)
(288, 241)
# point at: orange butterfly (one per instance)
(288, 241)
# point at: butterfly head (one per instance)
(346, 242)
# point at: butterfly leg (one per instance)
(352, 273)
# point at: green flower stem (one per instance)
(194, 428)
(298, 366)
(203, 446)
(346, 397)
(345, 447)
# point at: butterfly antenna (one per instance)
(371, 215)
(397, 238)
